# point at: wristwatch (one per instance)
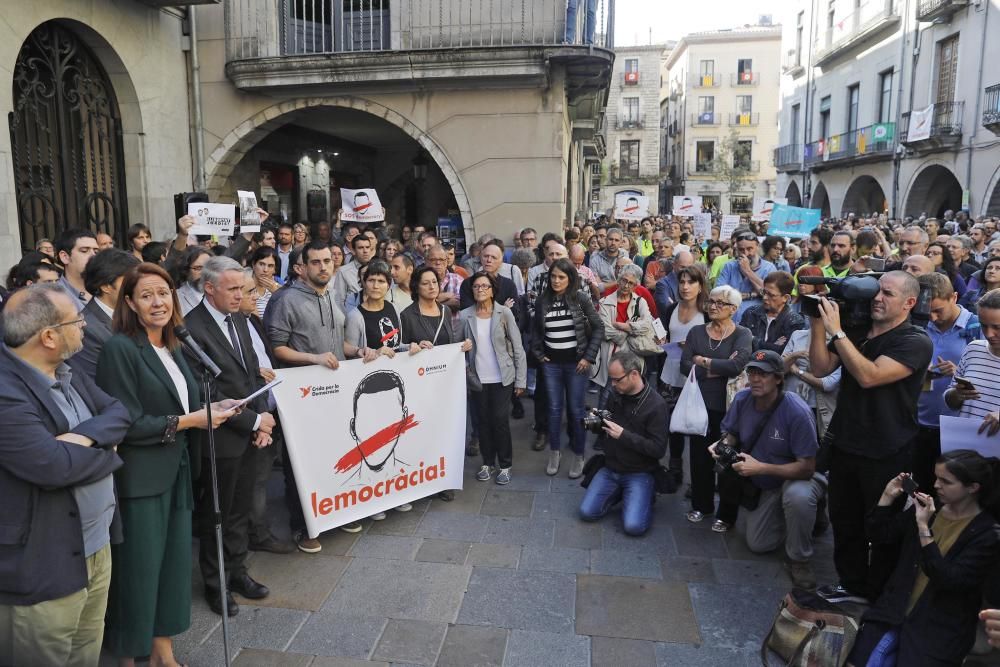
(799, 372)
(839, 335)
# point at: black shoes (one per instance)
(272, 545)
(248, 588)
(215, 604)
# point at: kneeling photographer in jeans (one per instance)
(634, 440)
(770, 442)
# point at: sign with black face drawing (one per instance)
(367, 437)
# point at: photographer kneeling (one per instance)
(634, 440)
(770, 442)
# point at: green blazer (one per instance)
(130, 370)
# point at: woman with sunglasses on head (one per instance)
(986, 279)
(940, 256)
(717, 351)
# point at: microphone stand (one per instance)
(207, 378)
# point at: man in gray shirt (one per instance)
(603, 263)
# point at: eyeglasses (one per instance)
(627, 283)
(718, 304)
(79, 322)
(616, 380)
(746, 237)
(481, 287)
(772, 295)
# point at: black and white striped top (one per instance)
(560, 334)
(982, 368)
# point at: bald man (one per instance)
(588, 279)
(918, 265)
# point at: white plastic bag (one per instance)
(690, 414)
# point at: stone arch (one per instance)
(227, 154)
(991, 204)
(864, 196)
(820, 199)
(793, 195)
(933, 189)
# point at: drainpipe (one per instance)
(807, 125)
(979, 99)
(197, 121)
(898, 157)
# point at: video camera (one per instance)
(854, 295)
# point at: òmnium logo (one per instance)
(320, 390)
(431, 370)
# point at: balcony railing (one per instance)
(749, 166)
(706, 119)
(744, 79)
(744, 119)
(871, 18)
(928, 10)
(991, 109)
(702, 168)
(945, 119)
(706, 80)
(864, 144)
(788, 157)
(792, 63)
(269, 28)
(626, 122)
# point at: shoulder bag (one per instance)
(472, 381)
(644, 344)
(808, 631)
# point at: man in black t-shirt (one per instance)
(874, 425)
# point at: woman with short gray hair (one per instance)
(626, 318)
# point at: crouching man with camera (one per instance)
(634, 439)
(767, 457)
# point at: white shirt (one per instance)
(174, 371)
(487, 366)
(220, 319)
(103, 306)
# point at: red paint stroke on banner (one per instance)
(376, 442)
(362, 208)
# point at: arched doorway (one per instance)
(864, 197)
(992, 207)
(821, 200)
(66, 145)
(793, 195)
(934, 191)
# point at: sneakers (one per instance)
(380, 516)
(720, 526)
(307, 544)
(801, 573)
(835, 593)
(694, 516)
(503, 477)
(484, 474)
(554, 459)
(354, 527)
(576, 468)
(540, 441)
(405, 507)
(472, 449)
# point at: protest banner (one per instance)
(703, 225)
(793, 222)
(365, 438)
(212, 219)
(920, 124)
(686, 206)
(762, 207)
(631, 207)
(729, 223)
(360, 206)
(249, 219)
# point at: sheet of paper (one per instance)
(267, 387)
(212, 219)
(249, 219)
(960, 433)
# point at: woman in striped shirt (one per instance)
(567, 339)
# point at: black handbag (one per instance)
(590, 468)
(736, 488)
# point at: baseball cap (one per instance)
(768, 361)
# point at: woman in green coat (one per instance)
(143, 367)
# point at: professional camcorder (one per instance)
(854, 295)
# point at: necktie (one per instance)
(235, 340)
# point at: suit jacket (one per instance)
(41, 539)
(131, 371)
(95, 334)
(233, 437)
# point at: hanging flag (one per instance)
(862, 141)
(920, 124)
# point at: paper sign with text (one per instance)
(360, 206)
(249, 218)
(686, 206)
(762, 207)
(703, 225)
(631, 207)
(212, 219)
(729, 223)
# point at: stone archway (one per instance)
(991, 206)
(793, 195)
(228, 153)
(933, 190)
(864, 197)
(820, 199)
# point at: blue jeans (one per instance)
(563, 385)
(636, 491)
(590, 25)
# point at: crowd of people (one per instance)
(813, 417)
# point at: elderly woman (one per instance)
(143, 367)
(792, 256)
(498, 361)
(718, 351)
(626, 318)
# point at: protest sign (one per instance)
(686, 206)
(631, 207)
(920, 124)
(249, 219)
(729, 223)
(793, 222)
(360, 206)
(703, 225)
(212, 219)
(368, 437)
(762, 207)
(963, 433)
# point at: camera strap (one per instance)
(757, 432)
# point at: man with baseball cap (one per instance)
(775, 433)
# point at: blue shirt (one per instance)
(733, 277)
(789, 434)
(949, 345)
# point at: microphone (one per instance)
(185, 337)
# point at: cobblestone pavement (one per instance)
(505, 576)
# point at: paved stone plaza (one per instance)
(505, 576)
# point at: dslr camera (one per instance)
(727, 455)
(593, 421)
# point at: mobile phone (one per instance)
(874, 263)
(909, 486)
(658, 329)
(964, 384)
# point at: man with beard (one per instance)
(347, 282)
(841, 252)
(913, 241)
(819, 253)
(746, 273)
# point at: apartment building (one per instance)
(890, 106)
(722, 113)
(632, 126)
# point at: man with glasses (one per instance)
(913, 242)
(491, 257)
(773, 321)
(746, 272)
(450, 283)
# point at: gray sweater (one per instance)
(306, 321)
(728, 360)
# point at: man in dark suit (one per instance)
(219, 328)
(56, 459)
(103, 276)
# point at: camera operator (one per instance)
(634, 441)
(874, 426)
(775, 433)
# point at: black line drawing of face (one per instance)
(360, 199)
(380, 393)
(631, 202)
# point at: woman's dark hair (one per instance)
(947, 263)
(982, 273)
(263, 252)
(133, 233)
(714, 244)
(179, 264)
(494, 285)
(377, 267)
(971, 467)
(154, 252)
(572, 290)
(126, 321)
(698, 275)
(770, 242)
(417, 278)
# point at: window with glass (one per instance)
(824, 117)
(794, 138)
(704, 155)
(628, 162)
(631, 64)
(706, 70)
(885, 97)
(740, 203)
(799, 27)
(706, 110)
(630, 111)
(853, 100)
(744, 71)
